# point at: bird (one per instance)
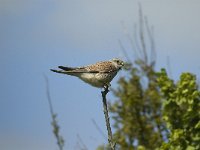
(98, 75)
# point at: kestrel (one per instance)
(98, 75)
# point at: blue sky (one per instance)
(37, 35)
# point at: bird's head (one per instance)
(118, 62)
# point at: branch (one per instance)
(105, 110)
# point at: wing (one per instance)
(67, 70)
(99, 67)
(102, 67)
(75, 70)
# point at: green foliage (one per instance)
(157, 113)
(137, 111)
(181, 111)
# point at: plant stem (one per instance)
(105, 110)
(54, 123)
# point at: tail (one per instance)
(69, 70)
(65, 70)
(58, 71)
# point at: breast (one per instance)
(97, 79)
(92, 79)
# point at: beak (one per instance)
(122, 64)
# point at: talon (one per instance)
(107, 86)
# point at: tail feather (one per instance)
(69, 70)
(63, 72)
(57, 71)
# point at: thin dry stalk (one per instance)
(105, 110)
(54, 123)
